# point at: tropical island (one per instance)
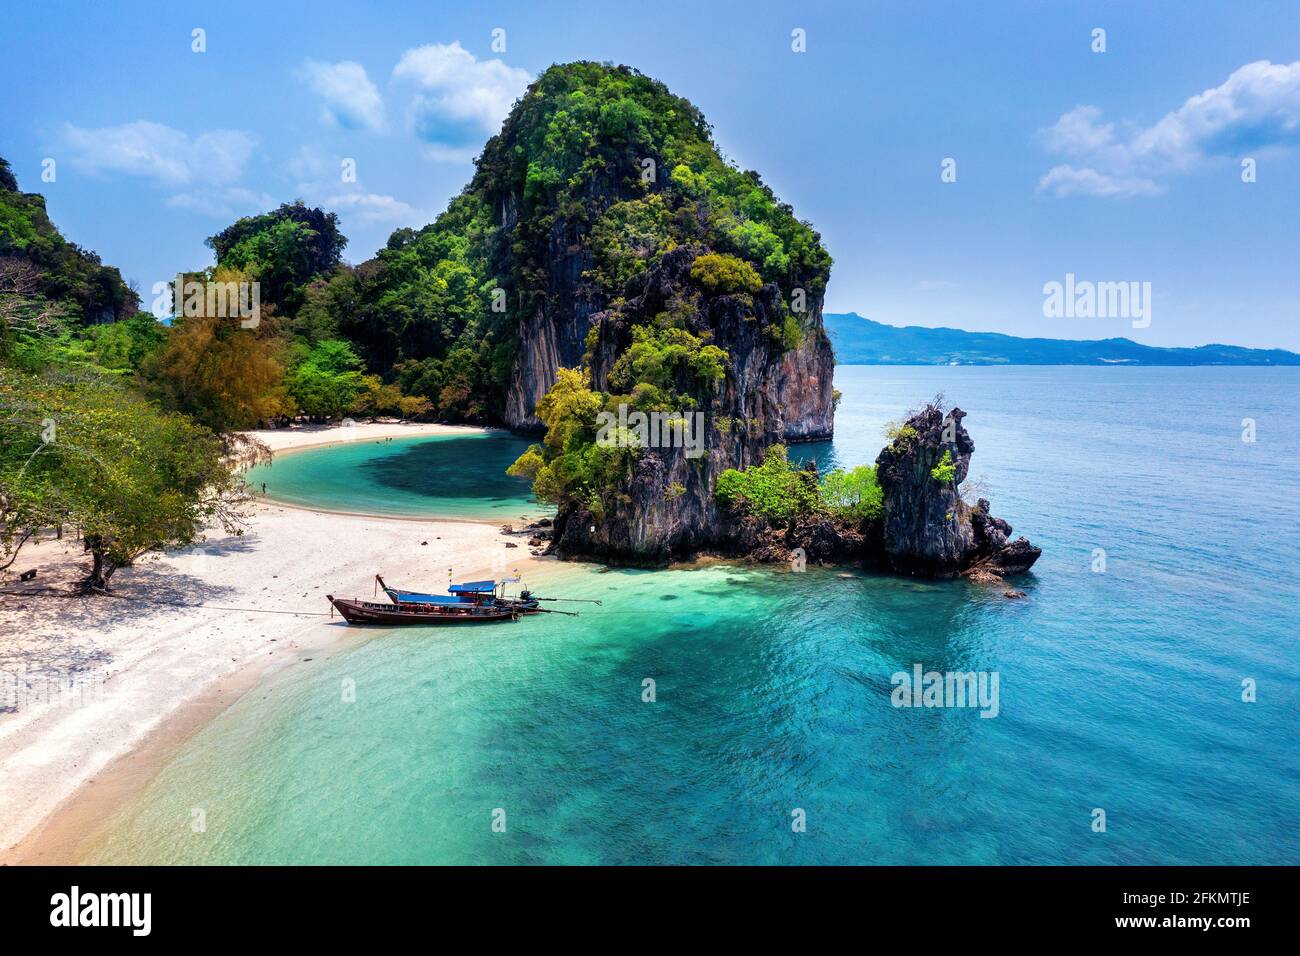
(604, 258)
(587, 401)
(605, 262)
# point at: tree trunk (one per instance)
(102, 566)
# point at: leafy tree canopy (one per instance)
(85, 450)
(284, 250)
(774, 489)
(780, 492)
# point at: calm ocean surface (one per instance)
(1118, 690)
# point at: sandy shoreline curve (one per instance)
(97, 693)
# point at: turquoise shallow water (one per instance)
(453, 476)
(1118, 690)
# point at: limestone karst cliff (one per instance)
(671, 282)
(588, 248)
(768, 393)
(606, 263)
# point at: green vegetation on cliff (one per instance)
(774, 489)
(61, 271)
(778, 491)
(604, 157)
(854, 494)
(945, 470)
(602, 147)
(569, 465)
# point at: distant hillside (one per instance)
(860, 341)
(65, 272)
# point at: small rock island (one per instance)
(926, 527)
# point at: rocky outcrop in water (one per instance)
(925, 528)
(993, 546)
(928, 529)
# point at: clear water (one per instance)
(1118, 690)
(452, 476)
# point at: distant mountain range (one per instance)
(860, 341)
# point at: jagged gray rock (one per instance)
(928, 529)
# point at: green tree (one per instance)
(284, 250)
(774, 489)
(85, 450)
(569, 465)
(327, 383)
(668, 359)
(946, 470)
(854, 494)
(721, 274)
(223, 376)
(126, 346)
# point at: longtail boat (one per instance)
(372, 612)
(478, 593)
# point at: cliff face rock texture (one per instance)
(927, 529)
(788, 391)
(993, 546)
(804, 383)
(771, 393)
(553, 334)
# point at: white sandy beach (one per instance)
(86, 681)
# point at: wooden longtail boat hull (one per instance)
(529, 605)
(369, 612)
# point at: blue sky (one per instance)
(1115, 166)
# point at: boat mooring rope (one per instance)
(143, 600)
(254, 610)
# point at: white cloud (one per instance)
(320, 185)
(459, 98)
(1255, 109)
(351, 100)
(372, 207)
(1079, 131)
(222, 202)
(1069, 181)
(308, 163)
(165, 155)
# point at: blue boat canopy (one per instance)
(474, 587)
(415, 597)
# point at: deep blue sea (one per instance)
(1120, 690)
